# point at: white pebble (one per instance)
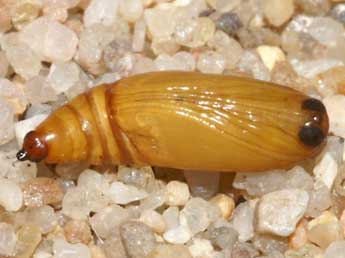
(278, 212)
(74, 203)
(62, 249)
(11, 196)
(270, 55)
(326, 170)
(101, 11)
(44, 217)
(139, 34)
(154, 220)
(24, 126)
(6, 122)
(4, 65)
(63, 76)
(171, 217)
(335, 250)
(178, 235)
(201, 248)
(8, 239)
(120, 193)
(131, 10)
(42, 254)
(178, 193)
(336, 113)
(211, 62)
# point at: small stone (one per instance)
(101, 11)
(242, 220)
(278, 12)
(229, 23)
(24, 12)
(4, 65)
(154, 220)
(62, 249)
(336, 114)
(143, 65)
(5, 18)
(201, 248)
(74, 203)
(156, 198)
(198, 214)
(11, 196)
(307, 251)
(270, 55)
(24, 126)
(278, 212)
(138, 239)
(251, 63)
(134, 176)
(324, 229)
(8, 239)
(222, 236)
(320, 200)
(270, 245)
(131, 10)
(113, 246)
(44, 217)
(139, 35)
(171, 217)
(178, 193)
(244, 250)
(108, 220)
(28, 238)
(38, 90)
(51, 41)
(42, 191)
(335, 250)
(225, 203)
(120, 193)
(211, 62)
(299, 238)
(6, 122)
(77, 231)
(63, 76)
(170, 251)
(185, 61)
(338, 12)
(224, 5)
(178, 235)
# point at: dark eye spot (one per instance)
(314, 105)
(311, 135)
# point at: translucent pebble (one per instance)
(8, 239)
(24, 126)
(270, 55)
(44, 217)
(41, 191)
(120, 193)
(185, 61)
(22, 59)
(154, 220)
(170, 251)
(299, 238)
(278, 212)
(201, 248)
(51, 41)
(108, 220)
(6, 122)
(42, 254)
(137, 238)
(178, 193)
(229, 23)
(308, 250)
(320, 200)
(198, 214)
(202, 184)
(164, 62)
(91, 179)
(335, 250)
(242, 220)
(62, 249)
(251, 63)
(63, 76)
(4, 65)
(171, 217)
(324, 229)
(77, 231)
(28, 238)
(211, 62)
(37, 109)
(223, 5)
(314, 7)
(24, 12)
(135, 176)
(326, 170)
(131, 10)
(38, 90)
(268, 244)
(178, 235)
(139, 34)
(225, 203)
(101, 11)
(336, 113)
(5, 18)
(223, 237)
(143, 65)
(11, 196)
(278, 12)
(156, 198)
(244, 250)
(74, 203)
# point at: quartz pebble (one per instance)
(44, 217)
(178, 235)
(113, 246)
(251, 63)
(74, 203)
(270, 55)
(62, 249)
(201, 248)
(244, 250)
(222, 236)
(198, 214)
(336, 114)
(38, 90)
(63, 76)
(11, 196)
(225, 203)
(120, 193)
(41, 191)
(77, 231)
(278, 12)
(211, 62)
(4, 65)
(137, 177)
(324, 229)
(308, 250)
(326, 171)
(138, 239)
(171, 217)
(243, 220)
(154, 220)
(278, 212)
(101, 11)
(8, 239)
(178, 193)
(335, 250)
(299, 238)
(131, 10)
(28, 238)
(170, 251)
(6, 122)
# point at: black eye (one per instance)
(311, 134)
